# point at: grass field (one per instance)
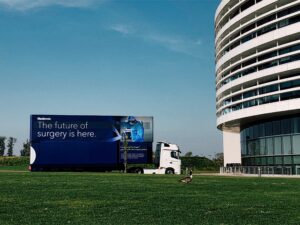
(14, 168)
(111, 198)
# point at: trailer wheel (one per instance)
(139, 171)
(169, 171)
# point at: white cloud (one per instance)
(23, 5)
(122, 28)
(173, 43)
(198, 42)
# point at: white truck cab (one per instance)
(166, 159)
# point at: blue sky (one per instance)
(108, 57)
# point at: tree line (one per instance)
(7, 146)
(218, 159)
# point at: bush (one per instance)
(14, 161)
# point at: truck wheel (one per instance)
(169, 171)
(139, 171)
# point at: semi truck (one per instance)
(99, 143)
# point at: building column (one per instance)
(231, 147)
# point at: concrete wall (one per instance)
(232, 147)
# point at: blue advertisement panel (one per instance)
(138, 132)
(89, 140)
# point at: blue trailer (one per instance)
(68, 142)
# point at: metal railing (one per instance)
(260, 170)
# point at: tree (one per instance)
(10, 145)
(2, 145)
(188, 154)
(26, 149)
(219, 159)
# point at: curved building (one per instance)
(257, 50)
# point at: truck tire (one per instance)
(169, 171)
(139, 171)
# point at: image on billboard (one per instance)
(137, 129)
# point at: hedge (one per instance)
(14, 161)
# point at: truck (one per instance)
(99, 143)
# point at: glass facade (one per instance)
(272, 142)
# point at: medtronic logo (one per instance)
(43, 118)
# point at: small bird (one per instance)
(187, 179)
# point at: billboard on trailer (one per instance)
(65, 140)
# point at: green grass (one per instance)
(110, 198)
(14, 168)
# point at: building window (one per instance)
(261, 130)
(296, 144)
(290, 95)
(249, 94)
(268, 89)
(277, 146)
(236, 98)
(263, 161)
(247, 5)
(287, 145)
(296, 125)
(278, 160)
(262, 146)
(290, 84)
(266, 19)
(276, 127)
(286, 127)
(268, 65)
(296, 159)
(270, 161)
(287, 160)
(267, 56)
(269, 146)
(248, 28)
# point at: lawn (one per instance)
(14, 168)
(112, 198)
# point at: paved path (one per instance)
(248, 175)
